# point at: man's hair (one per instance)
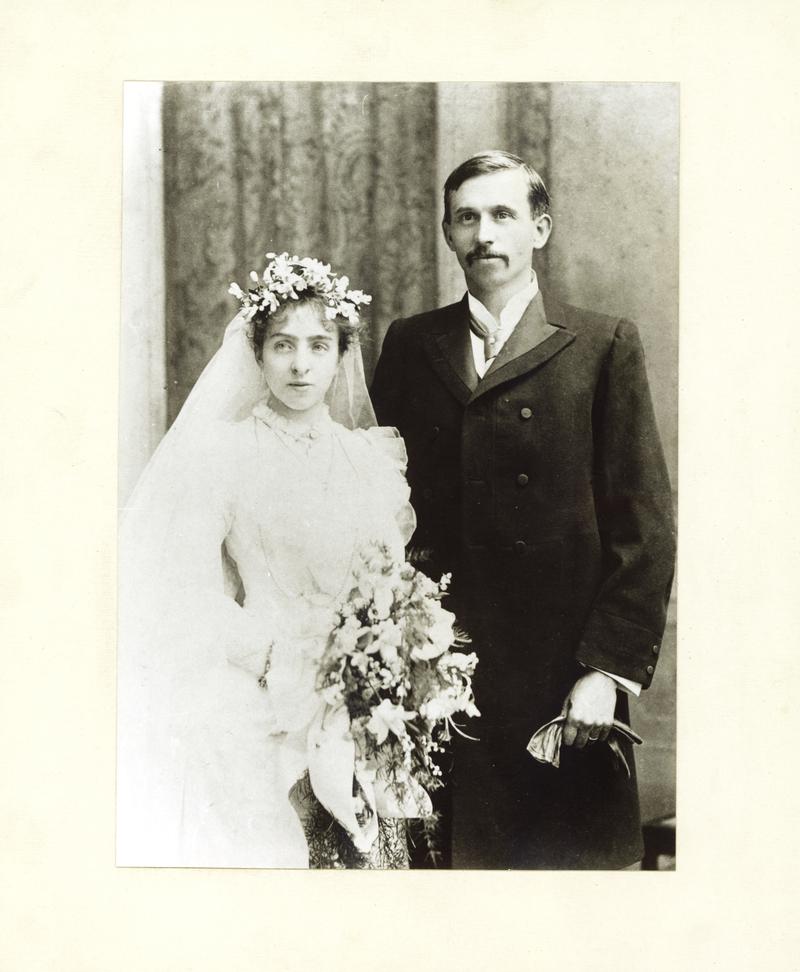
(495, 161)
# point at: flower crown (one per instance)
(286, 278)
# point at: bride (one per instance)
(235, 549)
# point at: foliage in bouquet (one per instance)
(391, 661)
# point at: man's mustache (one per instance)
(483, 253)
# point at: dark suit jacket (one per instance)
(543, 488)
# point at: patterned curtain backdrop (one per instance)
(343, 172)
(526, 130)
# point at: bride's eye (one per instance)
(321, 346)
(281, 346)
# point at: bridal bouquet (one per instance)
(391, 671)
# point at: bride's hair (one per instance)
(347, 332)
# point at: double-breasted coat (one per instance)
(542, 487)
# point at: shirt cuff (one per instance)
(626, 684)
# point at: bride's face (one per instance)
(299, 359)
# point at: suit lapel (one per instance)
(538, 336)
(449, 348)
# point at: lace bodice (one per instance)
(300, 506)
(280, 516)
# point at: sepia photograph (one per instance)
(398, 467)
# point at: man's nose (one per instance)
(486, 229)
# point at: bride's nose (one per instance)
(300, 363)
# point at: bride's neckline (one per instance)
(294, 430)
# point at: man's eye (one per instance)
(465, 218)
(504, 215)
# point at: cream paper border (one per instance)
(63, 905)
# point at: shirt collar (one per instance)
(512, 313)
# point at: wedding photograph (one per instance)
(398, 467)
(355, 360)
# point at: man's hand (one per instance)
(590, 709)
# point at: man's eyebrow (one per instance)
(499, 207)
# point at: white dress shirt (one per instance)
(503, 328)
(510, 316)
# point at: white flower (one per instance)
(348, 634)
(439, 635)
(332, 694)
(358, 297)
(459, 661)
(387, 639)
(388, 717)
(348, 311)
(384, 598)
(424, 586)
(437, 708)
(315, 268)
(285, 278)
(360, 661)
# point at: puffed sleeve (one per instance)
(173, 574)
(388, 463)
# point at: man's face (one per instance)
(492, 232)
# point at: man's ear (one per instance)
(543, 228)
(448, 238)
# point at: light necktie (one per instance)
(489, 335)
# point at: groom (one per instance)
(538, 479)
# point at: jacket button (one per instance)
(520, 547)
(522, 479)
(650, 669)
(525, 413)
(655, 649)
(436, 430)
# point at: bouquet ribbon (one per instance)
(332, 768)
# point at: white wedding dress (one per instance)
(257, 551)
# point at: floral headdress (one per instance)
(286, 278)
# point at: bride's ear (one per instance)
(343, 340)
